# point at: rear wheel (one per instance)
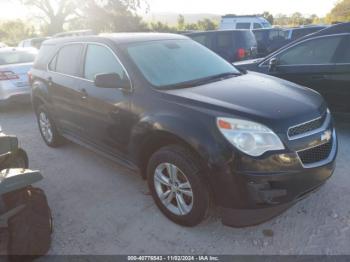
(48, 128)
(177, 185)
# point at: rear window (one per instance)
(247, 38)
(16, 57)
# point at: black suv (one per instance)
(232, 45)
(320, 61)
(200, 131)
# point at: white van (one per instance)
(243, 22)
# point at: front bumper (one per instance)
(253, 196)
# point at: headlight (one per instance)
(251, 138)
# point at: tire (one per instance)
(18, 160)
(188, 180)
(47, 128)
(29, 231)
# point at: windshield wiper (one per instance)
(203, 81)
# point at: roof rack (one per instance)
(237, 16)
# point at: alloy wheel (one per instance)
(173, 189)
(45, 127)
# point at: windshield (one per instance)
(172, 62)
(16, 57)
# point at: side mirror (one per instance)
(111, 80)
(273, 64)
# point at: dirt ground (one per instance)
(102, 208)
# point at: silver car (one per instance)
(14, 66)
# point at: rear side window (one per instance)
(243, 25)
(204, 39)
(68, 59)
(316, 51)
(101, 60)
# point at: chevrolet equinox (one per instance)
(200, 131)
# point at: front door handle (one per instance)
(84, 94)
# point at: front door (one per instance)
(106, 110)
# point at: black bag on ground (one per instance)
(29, 230)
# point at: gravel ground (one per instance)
(102, 208)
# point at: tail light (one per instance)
(241, 53)
(30, 77)
(8, 75)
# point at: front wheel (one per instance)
(177, 185)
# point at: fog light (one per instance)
(285, 158)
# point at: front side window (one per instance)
(316, 51)
(100, 60)
(243, 26)
(68, 59)
(172, 62)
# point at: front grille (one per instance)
(306, 127)
(316, 154)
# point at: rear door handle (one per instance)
(49, 80)
(84, 94)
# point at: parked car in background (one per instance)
(14, 66)
(75, 33)
(229, 22)
(320, 61)
(270, 39)
(232, 45)
(2, 45)
(33, 42)
(298, 32)
(198, 129)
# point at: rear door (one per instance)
(106, 110)
(311, 63)
(65, 95)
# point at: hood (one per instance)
(269, 100)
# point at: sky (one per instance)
(10, 9)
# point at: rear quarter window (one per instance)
(44, 57)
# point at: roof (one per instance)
(238, 16)
(119, 38)
(14, 49)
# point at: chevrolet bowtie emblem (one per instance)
(326, 136)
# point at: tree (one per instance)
(112, 15)
(340, 13)
(55, 13)
(206, 24)
(268, 17)
(162, 28)
(100, 15)
(12, 32)
(181, 23)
